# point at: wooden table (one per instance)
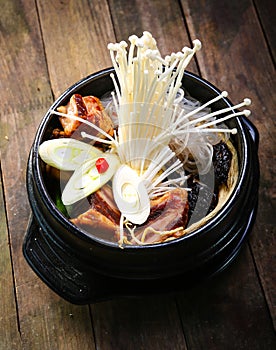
(46, 45)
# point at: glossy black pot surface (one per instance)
(83, 268)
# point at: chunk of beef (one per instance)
(103, 201)
(75, 107)
(167, 213)
(98, 224)
(103, 216)
(88, 108)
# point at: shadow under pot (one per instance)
(84, 268)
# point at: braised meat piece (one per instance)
(98, 224)
(88, 108)
(75, 107)
(103, 216)
(102, 201)
(167, 213)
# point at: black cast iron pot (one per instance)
(84, 269)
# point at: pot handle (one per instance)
(61, 271)
(252, 130)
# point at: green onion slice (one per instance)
(67, 153)
(87, 179)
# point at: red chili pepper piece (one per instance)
(101, 165)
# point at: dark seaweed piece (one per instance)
(222, 161)
(201, 198)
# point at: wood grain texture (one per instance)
(75, 34)
(9, 332)
(232, 39)
(264, 241)
(26, 93)
(138, 323)
(266, 10)
(227, 311)
(47, 322)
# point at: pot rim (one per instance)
(79, 233)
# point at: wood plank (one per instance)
(264, 244)
(234, 58)
(9, 332)
(228, 312)
(27, 96)
(266, 10)
(138, 323)
(47, 322)
(75, 34)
